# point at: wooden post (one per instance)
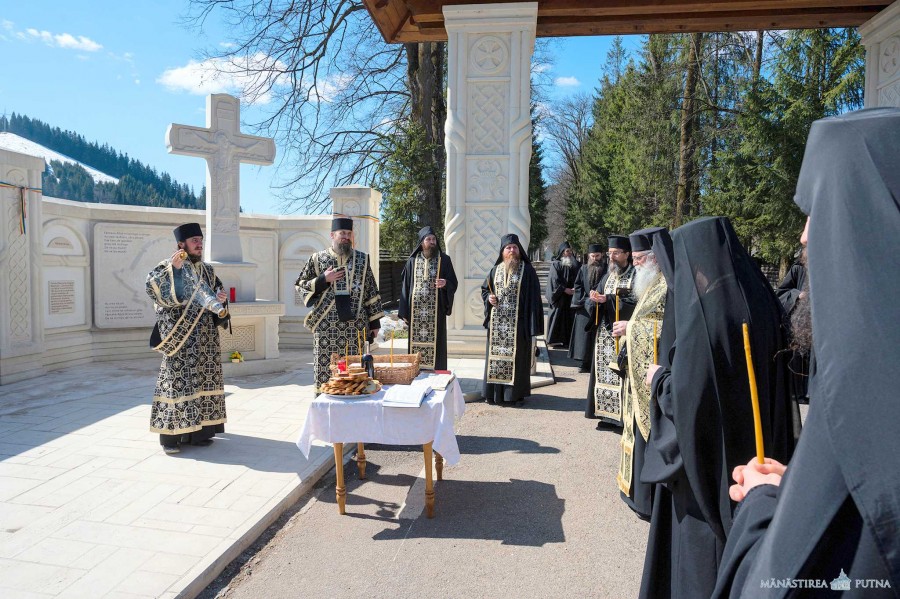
(439, 465)
(429, 482)
(340, 491)
(361, 460)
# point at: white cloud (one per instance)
(541, 67)
(215, 76)
(566, 82)
(66, 41)
(333, 85)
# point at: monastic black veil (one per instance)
(703, 425)
(838, 506)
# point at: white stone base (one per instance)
(254, 330)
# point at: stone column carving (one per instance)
(488, 140)
(881, 37)
(21, 308)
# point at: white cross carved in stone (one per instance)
(224, 147)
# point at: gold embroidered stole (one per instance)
(423, 312)
(608, 386)
(502, 332)
(355, 278)
(175, 332)
(641, 340)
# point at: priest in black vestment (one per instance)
(701, 415)
(581, 344)
(427, 287)
(560, 289)
(611, 300)
(835, 515)
(513, 316)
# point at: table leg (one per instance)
(340, 492)
(429, 483)
(439, 465)
(361, 460)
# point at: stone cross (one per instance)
(224, 147)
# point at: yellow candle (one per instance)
(359, 343)
(617, 320)
(392, 347)
(655, 347)
(754, 397)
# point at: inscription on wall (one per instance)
(62, 297)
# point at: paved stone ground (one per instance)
(90, 506)
(532, 510)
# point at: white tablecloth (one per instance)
(366, 420)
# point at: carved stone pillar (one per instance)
(21, 284)
(881, 37)
(488, 140)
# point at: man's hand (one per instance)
(620, 327)
(651, 370)
(177, 260)
(373, 332)
(492, 299)
(220, 295)
(597, 297)
(332, 275)
(439, 283)
(755, 474)
(570, 291)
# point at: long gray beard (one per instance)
(801, 323)
(643, 278)
(567, 261)
(615, 269)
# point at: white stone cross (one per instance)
(224, 147)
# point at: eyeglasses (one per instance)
(614, 253)
(640, 257)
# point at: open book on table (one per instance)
(406, 396)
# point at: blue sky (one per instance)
(120, 72)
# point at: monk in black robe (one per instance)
(513, 316)
(793, 292)
(427, 287)
(581, 344)
(560, 289)
(611, 300)
(835, 515)
(701, 417)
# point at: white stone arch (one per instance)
(292, 257)
(66, 280)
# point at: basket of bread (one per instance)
(352, 383)
(399, 369)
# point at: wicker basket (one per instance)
(384, 372)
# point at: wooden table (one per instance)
(339, 420)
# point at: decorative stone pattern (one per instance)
(475, 305)
(487, 184)
(242, 339)
(889, 60)
(486, 228)
(489, 56)
(890, 95)
(19, 267)
(488, 103)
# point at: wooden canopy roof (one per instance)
(423, 20)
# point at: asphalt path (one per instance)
(531, 510)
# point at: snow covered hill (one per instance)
(12, 142)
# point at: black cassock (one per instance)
(581, 345)
(428, 327)
(529, 323)
(838, 506)
(788, 293)
(701, 415)
(560, 278)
